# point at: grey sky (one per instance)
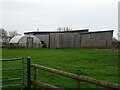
(50, 14)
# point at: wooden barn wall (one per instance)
(76, 40)
(101, 39)
(45, 38)
(64, 40)
(91, 43)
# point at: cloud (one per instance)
(50, 14)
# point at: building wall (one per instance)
(64, 40)
(96, 39)
(45, 38)
(92, 43)
(102, 39)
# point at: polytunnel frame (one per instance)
(26, 40)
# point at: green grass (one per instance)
(98, 64)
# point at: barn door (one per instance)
(30, 42)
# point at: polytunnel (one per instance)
(26, 41)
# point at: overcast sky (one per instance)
(28, 15)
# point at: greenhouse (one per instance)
(26, 41)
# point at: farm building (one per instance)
(97, 39)
(75, 38)
(26, 41)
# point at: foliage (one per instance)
(13, 33)
(115, 43)
(3, 32)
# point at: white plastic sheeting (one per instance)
(22, 41)
(16, 39)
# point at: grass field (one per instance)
(98, 64)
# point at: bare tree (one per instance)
(3, 32)
(3, 36)
(13, 33)
(64, 29)
(115, 42)
(59, 29)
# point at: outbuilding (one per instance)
(26, 41)
(75, 38)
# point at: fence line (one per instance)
(40, 84)
(44, 85)
(11, 69)
(13, 59)
(76, 77)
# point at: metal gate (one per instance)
(6, 70)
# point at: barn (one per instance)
(26, 41)
(75, 38)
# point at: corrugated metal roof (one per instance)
(75, 30)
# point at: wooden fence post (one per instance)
(77, 84)
(35, 74)
(28, 73)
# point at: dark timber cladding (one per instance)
(64, 40)
(100, 39)
(50, 38)
(75, 38)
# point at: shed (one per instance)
(75, 38)
(27, 41)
